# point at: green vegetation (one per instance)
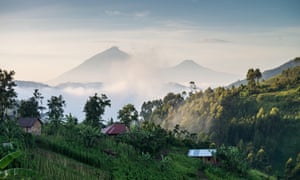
(255, 129)
(31, 107)
(94, 109)
(128, 114)
(51, 165)
(7, 92)
(109, 158)
(13, 173)
(262, 118)
(55, 113)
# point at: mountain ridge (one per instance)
(277, 70)
(95, 66)
(107, 56)
(272, 72)
(189, 70)
(30, 84)
(107, 65)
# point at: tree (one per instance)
(193, 87)
(128, 114)
(274, 111)
(251, 76)
(39, 98)
(7, 92)
(146, 110)
(29, 108)
(150, 138)
(55, 110)
(151, 109)
(11, 131)
(258, 75)
(94, 108)
(89, 135)
(261, 113)
(32, 107)
(70, 128)
(289, 165)
(261, 160)
(296, 169)
(176, 130)
(71, 120)
(232, 159)
(173, 100)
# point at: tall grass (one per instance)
(93, 157)
(54, 166)
(125, 162)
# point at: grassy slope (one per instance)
(52, 165)
(57, 163)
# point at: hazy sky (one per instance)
(42, 39)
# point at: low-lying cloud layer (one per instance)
(133, 81)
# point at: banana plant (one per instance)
(13, 172)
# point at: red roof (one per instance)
(115, 129)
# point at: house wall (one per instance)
(210, 160)
(35, 129)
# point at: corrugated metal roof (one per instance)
(115, 129)
(27, 122)
(201, 152)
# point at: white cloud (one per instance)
(138, 14)
(51, 53)
(80, 91)
(141, 14)
(113, 12)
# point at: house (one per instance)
(115, 129)
(31, 125)
(207, 155)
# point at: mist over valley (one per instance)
(124, 79)
(128, 79)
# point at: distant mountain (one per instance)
(111, 66)
(94, 69)
(272, 72)
(31, 84)
(189, 70)
(95, 85)
(38, 85)
(276, 71)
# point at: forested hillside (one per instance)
(254, 128)
(257, 116)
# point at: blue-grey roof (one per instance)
(27, 122)
(201, 152)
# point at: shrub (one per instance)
(232, 160)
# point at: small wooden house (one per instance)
(207, 155)
(31, 125)
(115, 129)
